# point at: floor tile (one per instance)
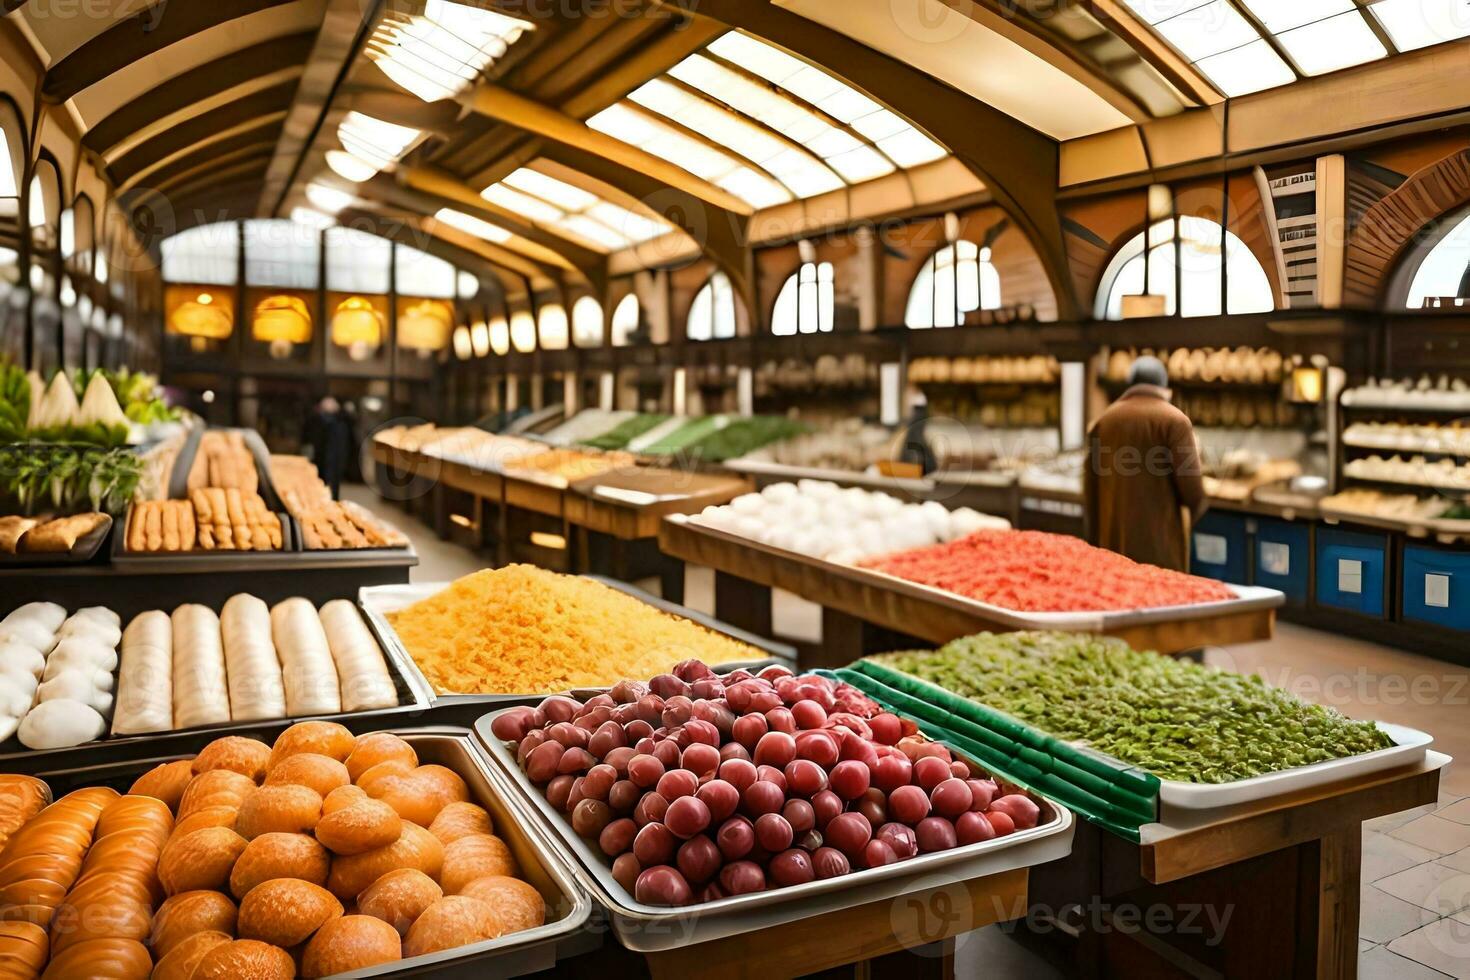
(1384, 855)
(1430, 886)
(1460, 860)
(1380, 964)
(1435, 834)
(1364, 945)
(1442, 945)
(1382, 917)
(1458, 811)
(1392, 821)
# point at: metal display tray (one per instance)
(84, 550)
(205, 557)
(541, 861)
(377, 601)
(15, 757)
(649, 928)
(1248, 598)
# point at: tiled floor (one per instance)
(1415, 920)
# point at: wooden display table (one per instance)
(853, 600)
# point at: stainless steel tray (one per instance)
(648, 928)
(542, 864)
(376, 601)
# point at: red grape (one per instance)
(1000, 821)
(650, 809)
(626, 692)
(742, 878)
(874, 811)
(668, 686)
(645, 770)
(877, 853)
(575, 794)
(826, 805)
(901, 838)
(892, 772)
(951, 798)
(707, 689)
(590, 817)
(569, 735)
(739, 773)
(604, 700)
(748, 730)
(558, 709)
(934, 750)
(930, 772)
(692, 670)
(959, 770)
(821, 747)
(1023, 812)
(598, 782)
(512, 725)
(982, 791)
(829, 862)
(735, 838)
(763, 701)
(676, 783)
(720, 797)
(781, 720)
(542, 763)
(849, 779)
(849, 833)
(793, 867)
(972, 827)
(576, 761)
(805, 778)
(761, 797)
(557, 791)
(529, 744)
(702, 731)
(609, 736)
(654, 844)
(637, 731)
(770, 774)
(712, 892)
(651, 710)
(593, 718)
(734, 750)
(800, 815)
(667, 752)
(699, 859)
(624, 796)
(662, 886)
(619, 757)
(625, 871)
(775, 749)
(700, 758)
(810, 840)
(934, 834)
(858, 749)
(773, 832)
(887, 729)
(808, 714)
(617, 837)
(908, 804)
(686, 817)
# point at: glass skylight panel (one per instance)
(312, 218)
(1337, 42)
(578, 212)
(1249, 68)
(523, 204)
(1209, 29)
(421, 274)
(627, 223)
(379, 143)
(281, 253)
(1153, 11)
(440, 53)
(207, 254)
(349, 167)
(1419, 23)
(328, 199)
(471, 225)
(566, 196)
(594, 231)
(1278, 16)
(357, 262)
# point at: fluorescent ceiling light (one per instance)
(379, 143)
(1249, 68)
(1337, 42)
(471, 225)
(349, 167)
(1209, 29)
(442, 52)
(1419, 23)
(328, 199)
(312, 218)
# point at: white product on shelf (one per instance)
(145, 687)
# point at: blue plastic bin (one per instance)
(1437, 587)
(1283, 558)
(1352, 567)
(1219, 547)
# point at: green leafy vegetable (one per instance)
(62, 478)
(625, 432)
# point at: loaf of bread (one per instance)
(114, 895)
(256, 689)
(24, 947)
(21, 798)
(245, 958)
(41, 861)
(145, 685)
(200, 860)
(181, 962)
(187, 913)
(362, 674)
(101, 959)
(307, 668)
(200, 693)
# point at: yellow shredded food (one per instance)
(524, 630)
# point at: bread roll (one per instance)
(245, 959)
(341, 798)
(59, 724)
(307, 668)
(256, 687)
(102, 959)
(475, 856)
(352, 942)
(399, 898)
(415, 848)
(22, 660)
(450, 922)
(187, 913)
(279, 856)
(91, 687)
(145, 681)
(519, 905)
(21, 798)
(222, 815)
(96, 622)
(362, 674)
(215, 788)
(279, 809)
(79, 652)
(458, 820)
(24, 947)
(366, 826)
(369, 750)
(321, 737)
(200, 860)
(419, 794)
(236, 753)
(48, 615)
(42, 860)
(201, 696)
(285, 911)
(185, 957)
(165, 781)
(318, 772)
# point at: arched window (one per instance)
(956, 280)
(500, 336)
(1200, 266)
(1443, 277)
(551, 326)
(625, 320)
(523, 331)
(587, 322)
(805, 302)
(44, 208)
(206, 255)
(712, 314)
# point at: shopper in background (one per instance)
(329, 437)
(1142, 485)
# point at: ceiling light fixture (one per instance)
(442, 52)
(349, 167)
(328, 199)
(471, 225)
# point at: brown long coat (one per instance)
(1142, 478)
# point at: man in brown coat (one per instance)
(1142, 484)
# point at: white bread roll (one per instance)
(48, 614)
(201, 694)
(59, 724)
(256, 688)
(307, 668)
(362, 675)
(145, 685)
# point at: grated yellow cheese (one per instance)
(524, 630)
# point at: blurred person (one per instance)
(328, 436)
(1143, 487)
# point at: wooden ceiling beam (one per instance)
(145, 33)
(263, 108)
(248, 146)
(491, 252)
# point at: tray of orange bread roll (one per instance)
(210, 521)
(317, 854)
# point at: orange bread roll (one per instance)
(42, 860)
(182, 915)
(279, 809)
(102, 959)
(518, 903)
(218, 787)
(352, 942)
(199, 861)
(223, 815)
(341, 798)
(114, 895)
(245, 959)
(21, 798)
(365, 826)
(279, 856)
(458, 820)
(322, 737)
(417, 794)
(185, 956)
(377, 747)
(399, 898)
(475, 856)
(23, 950)
(236, 753)
(318, 772)
(285, 911)
(415, 848)
(165, 782)
(452, 921)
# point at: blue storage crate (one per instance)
(1219, 547)
(1283, 557)
(1352, 568)
(1437, 587)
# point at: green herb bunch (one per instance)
(59, 478)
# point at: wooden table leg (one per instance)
(743, 603)
(671, 580)
(1330, 874)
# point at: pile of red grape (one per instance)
(698, 786)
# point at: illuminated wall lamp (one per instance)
(282, 322)
(357, 326)
(425, 327)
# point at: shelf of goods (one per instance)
(926, 572)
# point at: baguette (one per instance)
(137, 536)
(145, 680)
(62, 534)
(224, 538)
(170, 525)
(307, 668)
(362, 675)
(206, 537)
(200, 693)
(187, 536)
(256, 687)
(153, 527)
(41, 861)
(202, 506)
(234, 506)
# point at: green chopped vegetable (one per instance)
(1174, 718)
(743, 436)
(625, 432)
(53, 477)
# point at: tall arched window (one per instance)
(587, 322)
(551, 326)
(956, 280)
(625, 320)
(1443, 277)
(712, 314)
(44, 208)
(805, 302)
(1198, 274)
